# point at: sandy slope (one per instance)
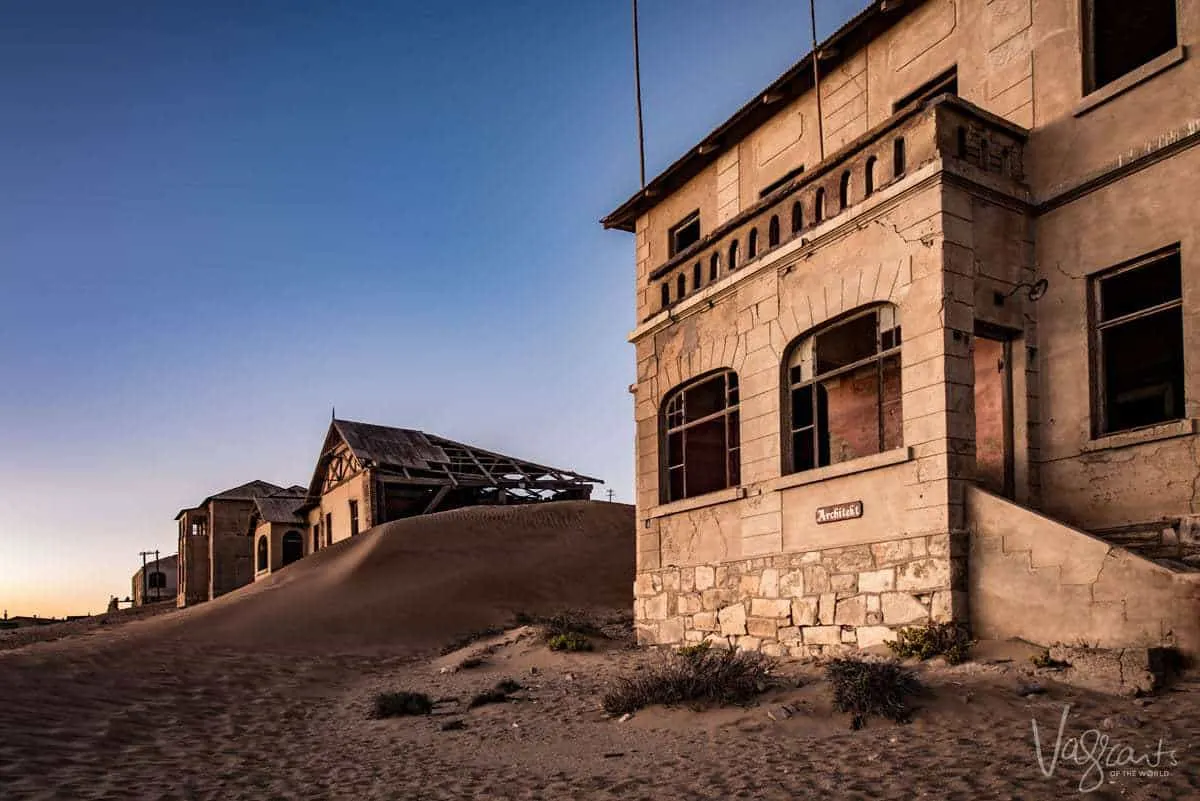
(264, 694)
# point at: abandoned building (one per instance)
(157, 581)
(913, 336)
(276, 530)
(369, 474)
(214, 549)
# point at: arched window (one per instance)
(773, 231)
(844, 385)
(898, 165)
(797, 217)
(752, 245)
(292, 547)
(733, 256)
(666, 295)
(701, 450)
(157, 580)
(696, 276)
(844, 191)
(869, 180)
(819, 206)
(262, 552)
(714, 266)
(681, 286)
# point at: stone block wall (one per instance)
(804, 604)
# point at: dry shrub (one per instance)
(690, 675)
(399, 704)
(947, 640)
(871, 688)
(497, 695)
(570, 641)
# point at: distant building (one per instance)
(369, 474)
(277, 530)
(157, 581)
(214, 548)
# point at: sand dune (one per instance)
(263, 694)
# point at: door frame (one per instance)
(1005, 336)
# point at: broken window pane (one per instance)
(1140, 338)
(702, 438)
(685, 233)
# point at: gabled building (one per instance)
(369, 474)
(214, 544)
(916, 338)
(277, 530)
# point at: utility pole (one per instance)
(610, 496)
(146, 576)
(637, 80)
(816, 58)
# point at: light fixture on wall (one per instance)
(1036, 290)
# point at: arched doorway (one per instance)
(292, 547)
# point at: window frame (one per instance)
(730, 412)
(789, 387)
(1100, 426)
(673, 233)
(1087, 47)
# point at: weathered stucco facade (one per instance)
(979, 285)
(157, 581)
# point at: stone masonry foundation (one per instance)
(805, 604)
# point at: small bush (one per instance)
(696, 651)
(497, 695)
(697, 674)
(1044, 660)
(947, 640)
(871, 688)
(571, 641)
(399, 704)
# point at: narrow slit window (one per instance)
(696, 276)
(752, 244)
(680, 285)
(844, 398)
(702, 443)
(733, 255)
(797, 217)
(1138, 352)
(714, 267)
(665, 289)
(819, 206)
(869, 176)
(898, 165)
(773, 231)
(844, 191)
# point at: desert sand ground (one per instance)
(264, 694)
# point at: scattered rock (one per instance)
(569, 677)
(1143, 701)
(1122, 721)
(625, 717)
(614, 754)
(1026, 689)
(453, 725)
(446, 670)
(782, 712)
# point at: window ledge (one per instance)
(859, 465)
(1131, 79)
(1140, 436)
(698, 502)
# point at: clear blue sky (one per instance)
(219, 219)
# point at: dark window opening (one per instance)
(844, 390)
(869, 177)
(1122, 35)
(696, 276)
(685, 233)
(666, 293)
(819, 206)
(962, 142)
(262, 553)
(752, 244)
(714, 267)
(898, 165)
(1138, 337)
(782, 182)
(680, 285)
(733, 255)
(329, 529)
(293, 548)
(944, 83)
(702, 446)
(353, 518)
(316, 535)
(157, 580)
(773, 232)
(844, 191)
(797, 217)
